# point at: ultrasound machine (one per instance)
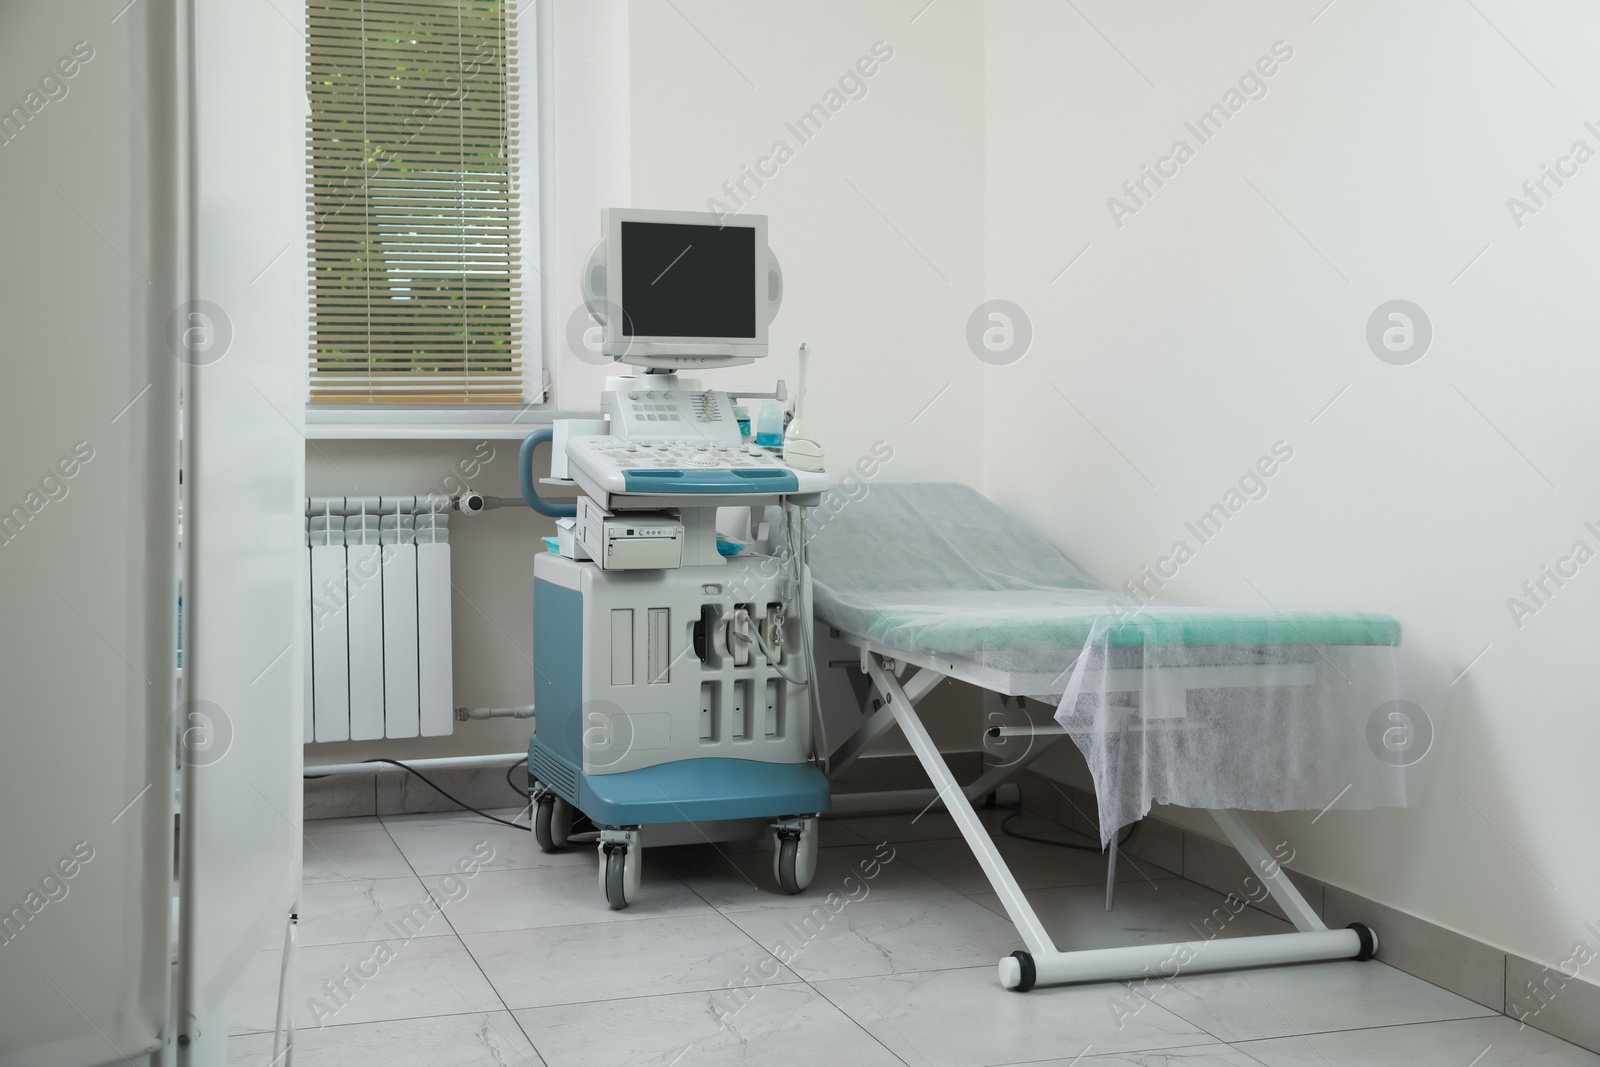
(672, 641)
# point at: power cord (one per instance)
(525, 794)
(797, 546)
(1005, 828)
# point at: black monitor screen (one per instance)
(688, 281)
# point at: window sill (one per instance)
(324, 423)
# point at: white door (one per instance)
(88, 538)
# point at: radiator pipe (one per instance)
(521, 711)
(437, 763)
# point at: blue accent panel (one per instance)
(525, 476)
(736, 480)
(558, 671)
(698, 790)
(553, 772)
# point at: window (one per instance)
(415, 203)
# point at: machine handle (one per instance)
(525, 474)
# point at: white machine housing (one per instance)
(647, 408)
(604, 293)
(662, 421)
(647, 696)
(634, 540)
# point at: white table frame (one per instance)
(894, 704)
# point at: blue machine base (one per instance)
(691, 790)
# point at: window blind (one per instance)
(414, 202)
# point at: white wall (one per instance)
(649, 114)
(874, 218)
(1230, 310)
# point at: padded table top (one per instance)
(937, 567)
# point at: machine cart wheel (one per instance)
(552, 822)
(794, 861)
(620, 862)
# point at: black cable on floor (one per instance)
(1005, 828)
(447, 796)
(525, 794)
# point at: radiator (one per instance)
(379, 660)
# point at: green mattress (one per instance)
(1039, 630)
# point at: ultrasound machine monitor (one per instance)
(682, 290)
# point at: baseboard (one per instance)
(343, 796)
(1560, 1004)
(347, 795)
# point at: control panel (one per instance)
(683, 412)
(613, 465)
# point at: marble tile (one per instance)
(437, 844)
(314, 825)
(340, 855)
(1416, 946)
(1216, 1055)
(517, 813)
(338, 984)
(731, 881)
(1544, 997)
(847, 940)
(933, 825)
(363, 909)
(492, 1039)
(1493, 1041)
(962, 1018)
(779, 1026)
(611, 961)
(1152, 912)
(1034, 865)
(532, 897)
(1306, 998)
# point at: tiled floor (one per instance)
(449, 941)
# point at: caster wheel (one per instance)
(795, 860)
(619, 876)
(552, 822)
(788, 858)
